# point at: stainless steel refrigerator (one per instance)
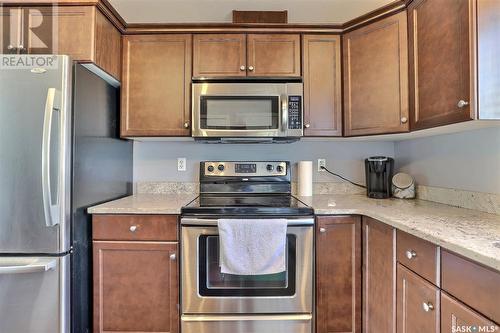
(60, 153)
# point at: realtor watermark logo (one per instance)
(474, 329)
(28, 37)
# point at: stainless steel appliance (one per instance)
(226, 112)
(216, 302)
(59, 154)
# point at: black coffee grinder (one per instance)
(379, 171)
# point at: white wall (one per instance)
(467, 160)
(157, 161)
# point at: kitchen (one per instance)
(191, 166)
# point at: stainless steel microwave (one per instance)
(247, 110)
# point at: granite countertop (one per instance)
(473, 234)
(145, 204)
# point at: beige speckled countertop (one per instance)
(470, 233)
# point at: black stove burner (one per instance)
(251, 205)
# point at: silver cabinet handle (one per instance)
(410, 254)
(132, 228)
(427, 306)
(404, 120)
(173, 256)
(26, 266)
(186, 124)
(242, 68)
(322, 230)
(251, 68)
(462, 103)
(307, 125)
(51, 209)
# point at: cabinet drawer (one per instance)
(473, 284)
(418, 255)
(135, 227)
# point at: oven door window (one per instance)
(239, 113)
(214, 283)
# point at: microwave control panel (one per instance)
(294, 112)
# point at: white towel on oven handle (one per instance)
(252, 246)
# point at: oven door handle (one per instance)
(287, 317)
(308, 221)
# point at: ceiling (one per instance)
(219, 11)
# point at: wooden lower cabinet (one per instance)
(135, 287)
(379, 277)
(338, 274)
(417, 303)
(457, 317)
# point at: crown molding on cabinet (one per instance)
(164, 28)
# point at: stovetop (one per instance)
(247, 205)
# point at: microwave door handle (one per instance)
(284, 113)
(50, 209)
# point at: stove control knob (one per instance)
(210, 168)
(279, 168)
(220, 167)
(270, 167)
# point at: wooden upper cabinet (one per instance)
(417, 303)
(136, 287)
(457, 317)
(82, 32)
(488, 30)
(322, 85)
(376, 78)
(156, 85)
(338, 274)
(379, 277)
(273, 55)
(217, 55)
(440, 62)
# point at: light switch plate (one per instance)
(181, 164)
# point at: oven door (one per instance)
(206, 290)
(243, 109)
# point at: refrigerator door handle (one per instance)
(51, 210)
(27, 266)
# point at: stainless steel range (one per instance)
(219, 303)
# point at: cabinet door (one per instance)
(338, 274)
(379, 277)
(11, 24)
(439, 62)
(273, 55)
(156, 85)
(135, 287)
(417, 303)
(376, 78)
(322, 85)
(457, 317)
(72, 26)
(108, 46)
(219, 55)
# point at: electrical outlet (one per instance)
(321, 163)
(181, 164)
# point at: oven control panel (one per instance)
(245, 169)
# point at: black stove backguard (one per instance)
(245, 177)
